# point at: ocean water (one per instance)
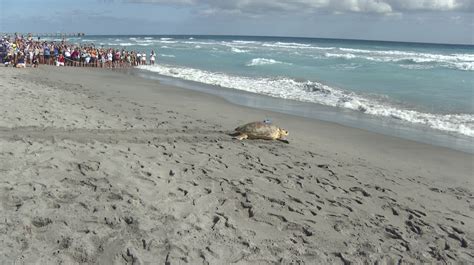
(427, 85)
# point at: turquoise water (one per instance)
(429, 85)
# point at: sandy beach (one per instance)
(102, 167)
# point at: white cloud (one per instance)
(436, 5)
(368, 6)
(311, 6)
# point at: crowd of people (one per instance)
(19, 51)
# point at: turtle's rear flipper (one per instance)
(284, 141)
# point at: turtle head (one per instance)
(283, 132)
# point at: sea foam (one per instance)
(464, 62)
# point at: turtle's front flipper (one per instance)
(284, 141)
(241, 136)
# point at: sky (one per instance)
(434, 21)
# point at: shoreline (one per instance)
(100, 166)
(315, 111)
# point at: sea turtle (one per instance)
(260, 130)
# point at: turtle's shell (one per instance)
(259, 129)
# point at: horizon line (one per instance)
(275, 36)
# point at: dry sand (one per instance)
(99, 167)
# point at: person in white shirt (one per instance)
(67, 55)
(143, 58)
(109, 58)
(152, 57)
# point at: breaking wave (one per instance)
(237, 50)
(464, 62)
(264, 61)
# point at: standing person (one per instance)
(109, 58)
(35, 61)
(82, 56)
(87, 58)
(75, 57)
(41, 54)
(118, 58)
(56, 52)
(129, 59)
(133, 58)
(37, 54)
(15, 54)
(143, 58)
(113, 58)
(122, 57)
(94, 57)
(152, 57)
(30, 55)
(47, 54)
(67, 56)
(102, 58)
(139, 58)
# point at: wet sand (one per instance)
(101, 167)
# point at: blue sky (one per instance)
(444, 21)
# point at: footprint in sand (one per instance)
(88, 166)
